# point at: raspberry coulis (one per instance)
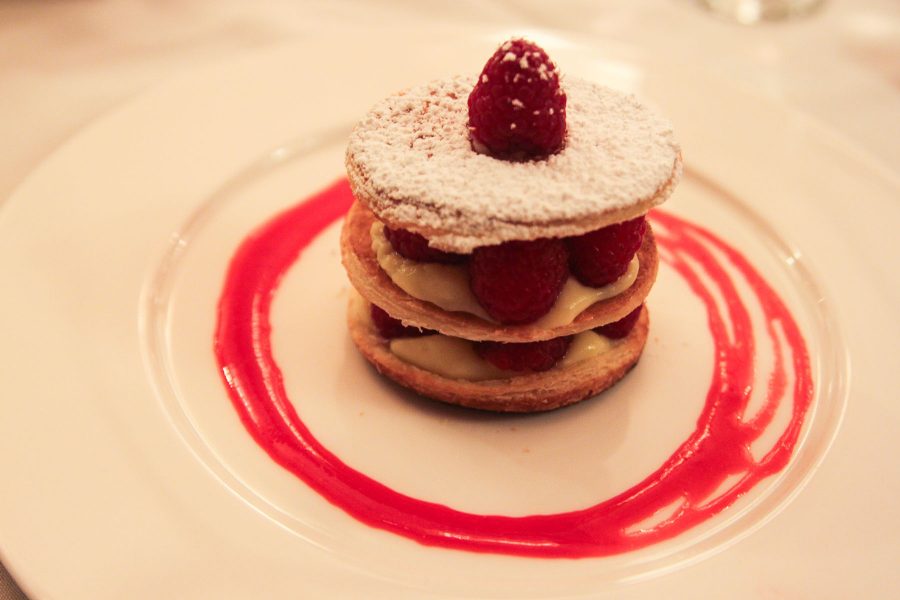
(716, 450)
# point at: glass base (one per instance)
(756, 11)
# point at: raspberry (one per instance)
(619, 329)
(415, 247)
(517, 110)
(390, 328)
(602, 256)
(518, 282)
(530, 356)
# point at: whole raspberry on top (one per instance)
(517, 110)
(518, 282)
(601, 256)
(415, 247)
(529, 356)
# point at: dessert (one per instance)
(760, 367)
(498, 243)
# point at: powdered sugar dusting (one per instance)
(415, 165)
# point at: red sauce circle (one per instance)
(719, 447)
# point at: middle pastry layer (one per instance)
(370, 279)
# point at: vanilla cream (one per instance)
(575, 297)
(447, 286)
(446, 356)
(586, 344)
(456, 358)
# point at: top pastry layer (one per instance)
(410, 161)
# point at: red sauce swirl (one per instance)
(717, 449)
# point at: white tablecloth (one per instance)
(65, 63)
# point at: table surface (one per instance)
(63, 64)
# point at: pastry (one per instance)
(503, 225)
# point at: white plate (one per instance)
(121, 448)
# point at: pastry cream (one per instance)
(447, 286)
(456, 358)
(444, 285)
(575, 297)
(446, 356)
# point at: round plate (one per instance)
(120, 440)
